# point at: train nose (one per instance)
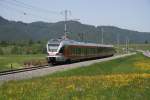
(52, 53)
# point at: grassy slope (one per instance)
(125, 79)
(16, 60)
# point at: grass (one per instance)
(16, 60)
(140, 46)
(121, 65)
(132, 47)
(121, 79)
(136, 46)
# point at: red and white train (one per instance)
(66, 50)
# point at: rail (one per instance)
(60, 67)
(22, 70)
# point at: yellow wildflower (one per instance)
(143, 65)
(71, 87)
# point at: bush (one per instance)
(1, 51)
(35, 62)
(16, 50)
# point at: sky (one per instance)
(127, 14)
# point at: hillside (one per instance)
(14, 31)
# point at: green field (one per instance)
(17, 61)
(140, 46)
(131, 48)
(135, 46)
(121, 79)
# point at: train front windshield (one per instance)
(53, 47)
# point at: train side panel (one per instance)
(76, 52)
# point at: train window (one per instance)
(94, 50)
(53, 47)
(99, 49)
(82, 52)
(88, 51)
(73, 51)
(85, 51)
(76, 51)
(62, 49)
(91, 51)
(79, 51)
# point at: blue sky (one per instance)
(128, 14)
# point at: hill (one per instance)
(15, 31)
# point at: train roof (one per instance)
(73, 42)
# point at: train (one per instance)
(67, 50)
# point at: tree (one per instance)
(28, 50)
(146, 42)
(3, 43)
(1, 51)
(39, 42)
(31, 42)
(15, 50)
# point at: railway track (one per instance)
(27, 73)
(22, 70)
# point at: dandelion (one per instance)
(142, 65)
(9, 91)
(71, 87)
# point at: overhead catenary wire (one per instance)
(14, 4)
(26, 8)
(8, 7)
(35, 7)
(23, 5)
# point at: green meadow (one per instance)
(120, 79)
(135, 46)
(17, 61)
